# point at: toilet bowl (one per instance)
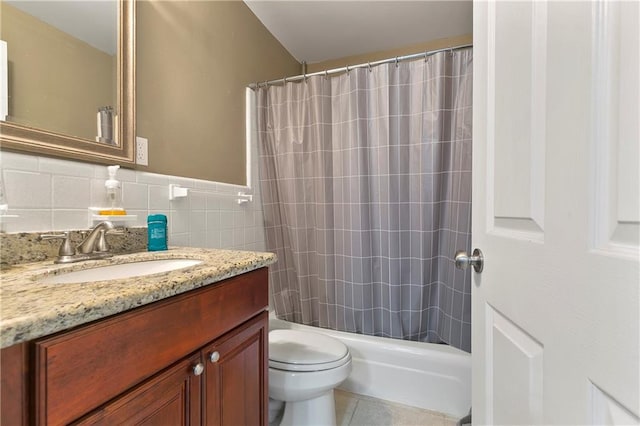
(304, 368)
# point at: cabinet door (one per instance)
(173, 397)
(236, 390)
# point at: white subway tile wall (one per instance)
(54, 195)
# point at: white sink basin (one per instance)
(124, 270)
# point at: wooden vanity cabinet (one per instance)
(196, 358)
(227, 390)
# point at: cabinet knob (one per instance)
(198, 369)
(214, 357)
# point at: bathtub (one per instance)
(425, 375)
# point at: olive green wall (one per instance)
(194, 61)
(56, 82)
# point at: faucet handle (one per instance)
(116, 231)
(65, 248)
(101, 244)
(65, 234)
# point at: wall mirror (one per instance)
(69, 79)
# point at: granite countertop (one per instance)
(30, 309)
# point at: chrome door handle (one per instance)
(463, 260)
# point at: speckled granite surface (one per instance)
(25, 247)
(30, 309)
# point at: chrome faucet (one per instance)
(94, 246)
(89, 243)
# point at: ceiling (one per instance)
(316, 31)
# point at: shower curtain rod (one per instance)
(364, 65)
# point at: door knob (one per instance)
(463, 260)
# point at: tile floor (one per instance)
(359, 410)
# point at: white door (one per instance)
(556, 211)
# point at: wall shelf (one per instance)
(116, 219)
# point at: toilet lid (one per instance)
(294, 350)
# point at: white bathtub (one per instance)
(425, 375)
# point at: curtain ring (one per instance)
(369, 65)
(326, 74)
(284, 80)
(396, 62)
(348, 70)
(304, 77)
(425, 56)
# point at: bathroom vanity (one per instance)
(195, 352)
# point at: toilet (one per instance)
(304, 368)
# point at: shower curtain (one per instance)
(366, 186)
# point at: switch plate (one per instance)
(142, 151)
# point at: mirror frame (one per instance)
(16, 137)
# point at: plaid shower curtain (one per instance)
(366, 186)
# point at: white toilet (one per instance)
(304, 368)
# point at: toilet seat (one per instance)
(293, 350)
